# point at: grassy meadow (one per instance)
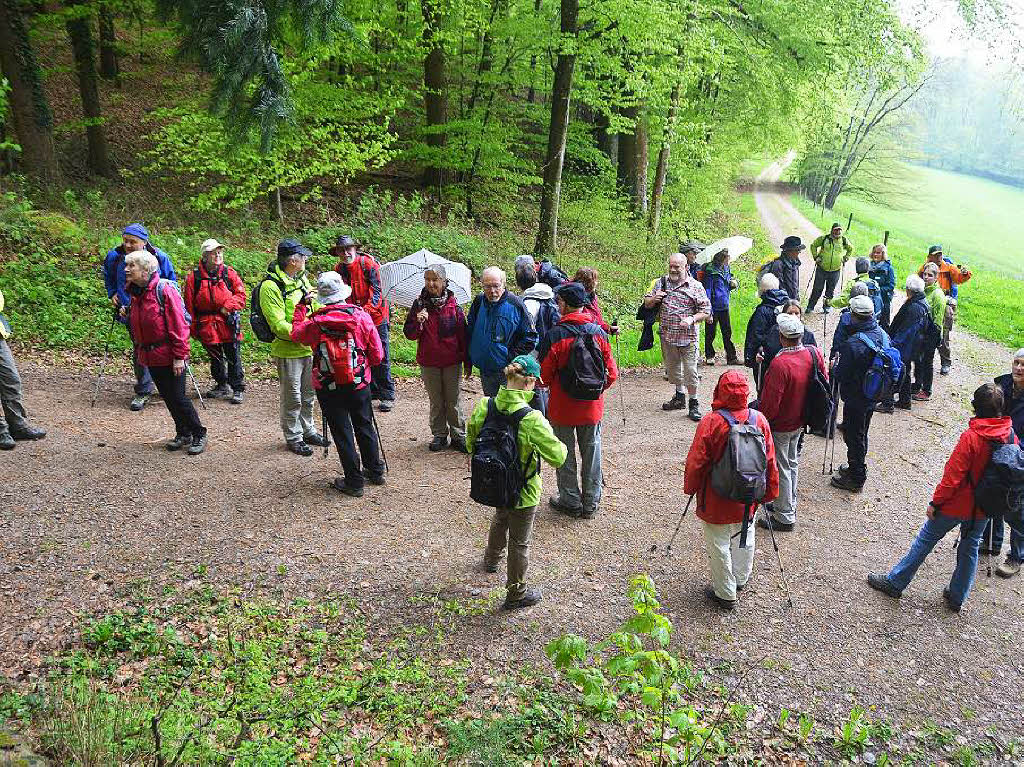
(974, 220)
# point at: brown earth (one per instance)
(99, 511)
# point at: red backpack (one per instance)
(338, 361)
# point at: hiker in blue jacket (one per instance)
(908, 332)
(134, 237)
(855, 357)
(762, 323)
(884, 275)
(716, 276)
(500, 329)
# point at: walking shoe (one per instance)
(694, 414)
(179, 442)
(948, 598)
(28, 434)
(774, 524)
(587, 514)
(7, 442)
(808, 310)
(709, 361)
(220, 391)
(944, 370)
(376, 480)
(139, 401)
(883, 584)
(1008, 569)
(528, 599)
(827, 310)
(841, 428)
(341, 487)
(386, 405)
(903, 405)
(490, 567)
(198, 445)
(882, 407)
(921, 396)
(236, 398)
(678, 402)
(437, 443)
(556, 503)
(316, 439)
(844, 482)
(299, 447)
(459, 445)
(733, 361)
(725, 604)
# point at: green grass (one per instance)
(974, 221)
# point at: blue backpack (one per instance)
(883, 376)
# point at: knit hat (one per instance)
(862, 264)
(529, 365)
(862, 306)
(331, 288)
(790, 326)
(573, 293)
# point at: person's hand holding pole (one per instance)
(179, 367)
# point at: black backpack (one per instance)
(547, 315)
(497, 477)
(259, 323)
(818, 402)
(1000, 491)
(584, 375)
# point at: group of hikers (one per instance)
(545, 361)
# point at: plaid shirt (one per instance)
(683, 299)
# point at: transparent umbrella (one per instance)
(403, 279)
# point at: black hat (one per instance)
(835, 225)
(687, 246)
(862, 265)
(290, 247)
(573, 293)
(792, 243)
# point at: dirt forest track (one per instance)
(99, 510)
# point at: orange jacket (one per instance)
(949, 275)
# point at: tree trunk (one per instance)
(28, 108)
(435, 91)
(109, 67)
(642, 163)
(661, 174)
(531, 95)
(625, 171)
(558, 130)
(82, 48)
(274, 205)
(606, 141)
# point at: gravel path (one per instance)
(100, 511)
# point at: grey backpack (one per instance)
(741, 474)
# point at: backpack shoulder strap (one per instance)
(664, 283)
(729, 418)
(867, 342)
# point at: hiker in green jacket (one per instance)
(830, 252)
(513, 526)
(286, 286)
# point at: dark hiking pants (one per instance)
(823, 280)
(172, 389)
(349, 414)
(719, 319)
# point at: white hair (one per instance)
(768, 282)
(1019, 354)
(915, 284)
(144, 260)
(494, 271)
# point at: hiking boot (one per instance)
(376, 480)
(236, 398)
(725, 604)
(459, 445)
(921, 396)
(883, 407)
(351, 492)
(7, 442)
(28, 434)
(180, 441)
(678, 402)
(528, 599)
(844, 482)
(299, 447)
(587, 514)
(709, 361)
(198, 445)
(220, 391)
(563, 508)
(694, 413)
(318, 440)
(883, 584)
(827, 310)
(490, 567)
(903, 405)
(948, 599)
(771, 523)
(944, 371)
(139, 401)
(1008, 569)
(386, 405)
(733, 361)
(437, 443)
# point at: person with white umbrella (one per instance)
(436, 322)
(718, 282)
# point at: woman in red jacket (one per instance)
(215, 297)
(722, 518)
(437, 323)
(952, 504)
(156, 318)
(587, 277)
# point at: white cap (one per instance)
(208, 245)
(862, 306)
(790, 326)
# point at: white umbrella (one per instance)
(403, 279)
(737, 245)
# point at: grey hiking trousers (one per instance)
(12, 417)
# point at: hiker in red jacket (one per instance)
(575, 420)
(721, 518)
(361, 273)
(345, 403)
(953, 505)
(215, 297)
(156, 321)
(782, 403)
(438, 325)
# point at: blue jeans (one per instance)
(143, 380)
(934, 530)
(589, 440)
(993, 537)
(491, 381)
(382, 386)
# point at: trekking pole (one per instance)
(106, 355)
(778, 557)
(618, 358)
(807, 288)
(380, 442)
(188, 369)
(681, 518)
(324, 432)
